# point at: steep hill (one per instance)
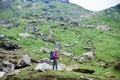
(73, 27)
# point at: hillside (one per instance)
(76, 31)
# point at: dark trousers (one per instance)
(55, 65)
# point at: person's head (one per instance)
(55, 49)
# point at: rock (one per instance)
(85, 78)
(25, 61)
(45, 50)
(47, 66)
(117, 65)
(8, 67)
(84, 70)
(51, 37)
(75, 58)
(90, 26)
(43, 66)
(8, 45)
(2, 74)
(87, 56)
(72, 67)
(24, 35)
(103, 28)
(65, 53)
(2, 36)
(74, 24)
(72, 44)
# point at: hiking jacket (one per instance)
(55, 55)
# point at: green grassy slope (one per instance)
(107, 44)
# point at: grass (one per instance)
(107, 44)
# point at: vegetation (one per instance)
(43, 16)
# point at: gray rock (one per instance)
(2, 74)
(8, 67)
(2, 36)
(24, 34)
(45, 66)
(26, 59)
(87, 56)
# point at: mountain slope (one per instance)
(73, 27)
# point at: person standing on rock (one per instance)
(55, 57)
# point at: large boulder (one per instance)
(25, 61)
(46, 66)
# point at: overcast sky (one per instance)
(96, 5)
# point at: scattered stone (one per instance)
(85, 78)
(84, 70)
(90, 26)
(24, 34)
(44, 50)
(103, 28)
(72, 67)
(72, 44)
(65, 53)
(87, 56)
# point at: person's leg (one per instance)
(56, 65)
(53, 63)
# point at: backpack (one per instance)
(51, 55)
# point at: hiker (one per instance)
(54, 57)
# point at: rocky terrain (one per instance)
(88, 42)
